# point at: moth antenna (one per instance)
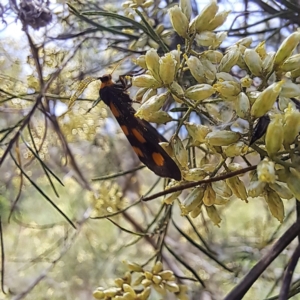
(118, 64)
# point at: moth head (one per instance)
(106, 80)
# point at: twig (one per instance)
(117, 174)
(67, 246)
(289, 274)
(2, 258)
(241, 289)
(196, 183)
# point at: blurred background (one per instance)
(56, 162)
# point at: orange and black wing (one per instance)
(143, 137)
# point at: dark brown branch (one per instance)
(242, 288)
(2, 258)
(288, 275)
(196, 183)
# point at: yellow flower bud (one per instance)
(286, 48)
(168, 148)
(220, 37)
(253, 62)
(146, 282)
(141, 61)
(127, 277)
(167, 65)
(186, 8)
(206, 38)
(157, 279)
(159, 29)
(159, 288)
(213, 215)
(247, 41)
(197, 132)
(210, 70)
(268, 63)
(171, 197)
(176, 55)
(111, 292)
(132, 266)
(152, 61)
(141, 42)
(224, 76)
(209, 196)
(213, 56)
(147, 3)
(196, 68)
(148, 275)
(193, 200)
(291, 127)
(295, 74)
(227, 88)
(261, 49)
(199, 92)
(128, 289)
(119, 282)
(238, 188)
(222, 138)
(139, 280)
(281, 190)
(201, 22)
(145, 293)
(194, 174)
(218, 20)
(241, 63)
(229, 59)
(256, 188)
(282, 174)
(152, 43)
(179, 21)
(172, 287)
(236, 149)
(140, 93)
(196, 212)
(266, 171)
(221, 188)
(166, 274)
(180, 152)
(246, 82)
(292, 181)
(291, 64)
(266, 100)
(158, 117)
(176, 89)
(98, 293)
(146, 80)
(275, 204)
(274, 135)
(154, 104)
(242, 106)
(290, 89)
(234, 167)
(221, 200)
(157, 267)
(150, 93)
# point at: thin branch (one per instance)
(115, 175)
(2, 258)
(284, 292)
(42, 193)
(196, 183)
(241, 289)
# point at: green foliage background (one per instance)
(44, 257)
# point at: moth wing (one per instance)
(143, 137)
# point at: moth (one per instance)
(142, 136)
